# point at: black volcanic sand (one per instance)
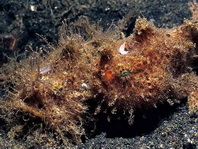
(26, 21)
(166, 127)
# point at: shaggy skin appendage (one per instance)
(150, 67)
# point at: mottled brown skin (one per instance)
(156, 68)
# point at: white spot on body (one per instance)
(84, 85)
(45, 69)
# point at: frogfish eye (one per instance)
(125, 73)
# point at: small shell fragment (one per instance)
(32, 8)
(122, 50)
